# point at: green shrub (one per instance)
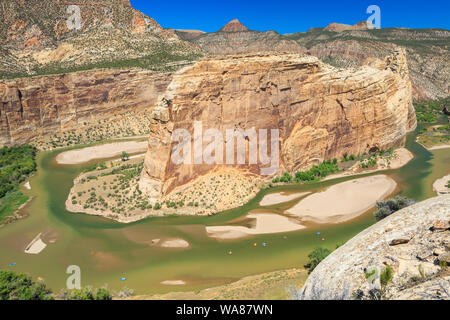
(427, 111)
(16, 164)
(315, 257)
(387, 207)
(386, 276)
(316, 172)
(287, 177)
(86, 294)
(124, 156)
(21, 287)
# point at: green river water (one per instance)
(106, 250)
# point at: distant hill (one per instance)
(234, 26)
(35, 37)
(234, 38)
(187, 34)
(338, 27)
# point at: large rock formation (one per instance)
(427, 52)
(33, 107)
(412, 241)
(320, 112)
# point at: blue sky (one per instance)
(291, 16)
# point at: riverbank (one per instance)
(343, 201)
(445, 146)
(108, 150)
(129, 125)
(111, 190)
(440, 186)
(400, 158)
(267, 286)
(14, 200)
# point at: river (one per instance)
(107, 251)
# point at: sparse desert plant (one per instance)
(124, 156)
(87, 293)
(315, 257)
(386, 277)
(387, 207)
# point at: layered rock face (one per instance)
(412, 241)
(320, 112)
(426, 50)
(33, 107)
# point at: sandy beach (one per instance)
(402, 157)
(444, 146)
(344, 201)
(440, 186)
(266, 223)
(280, 197)
(101, 151)
(36, 245)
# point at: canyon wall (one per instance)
(321, 112)
(42, 105)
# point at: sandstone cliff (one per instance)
(412, 241)
(42, 105)
(321, 112)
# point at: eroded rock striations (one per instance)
(427, 52)
(42, 105)
(414, 241)
(321, 112)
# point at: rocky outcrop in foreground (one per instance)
(321, 112)
(414, 241)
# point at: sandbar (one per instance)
(108, 150)
(36, 245)
(280, 197)
(344, 201)
(175, 243)
(266, 223)
(173, 282)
